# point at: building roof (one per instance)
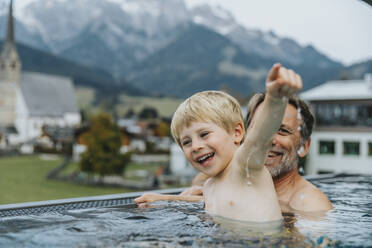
(59, 133)
(48, 95)
(340, 90)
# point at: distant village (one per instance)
(39, 114)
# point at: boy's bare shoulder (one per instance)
(309, 198)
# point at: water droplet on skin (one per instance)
(246, 167)
(247, 176)
(299, 128)
(301, 150)
(299, 113)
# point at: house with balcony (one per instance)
(342, 137)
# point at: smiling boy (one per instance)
(209, 128)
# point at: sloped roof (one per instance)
(47, 95)
(340, 90)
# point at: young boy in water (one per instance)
(209, 128)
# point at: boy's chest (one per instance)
(226, 198)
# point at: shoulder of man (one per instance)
(309, 198)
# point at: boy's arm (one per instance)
(280, 84)
(193, 190)
(153, 197)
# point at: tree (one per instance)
(162, 129)
(148, 113)
(103, 141)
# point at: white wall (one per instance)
(179, 164)
(72, 119)
(77, 150)
(338, 162)
(21, 119)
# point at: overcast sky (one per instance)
(341, 29)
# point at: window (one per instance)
(337, 111)
(326, 147)
(351, 114)
(351, 148)
(369, 148)
(369, 115)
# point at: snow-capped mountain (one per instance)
(131, 28)
(120, 35)
(265, 44)
(59, 21)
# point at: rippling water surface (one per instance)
(187, 225)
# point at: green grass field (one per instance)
(165, 106)
(23, 179)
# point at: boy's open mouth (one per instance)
(205, 158)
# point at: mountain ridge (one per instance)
(137, 41)
(81, 75)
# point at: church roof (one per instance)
(48, 95)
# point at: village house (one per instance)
(342, 139)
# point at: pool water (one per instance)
(349, 224)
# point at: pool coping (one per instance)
(26, 208)
(112, 200)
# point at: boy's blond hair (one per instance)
(207, 106)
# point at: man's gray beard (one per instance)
(288, 163)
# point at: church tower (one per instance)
(10, 69)
(10, 64)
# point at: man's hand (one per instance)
(282, 82)
(149, 197)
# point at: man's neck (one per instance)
(285, 185)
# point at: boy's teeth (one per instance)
(205, 157)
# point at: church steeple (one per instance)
(10, 27)
(10, 64)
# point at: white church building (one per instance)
(30, 100)
(342, 138)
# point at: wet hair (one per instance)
(207, 106)
(307, 117)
